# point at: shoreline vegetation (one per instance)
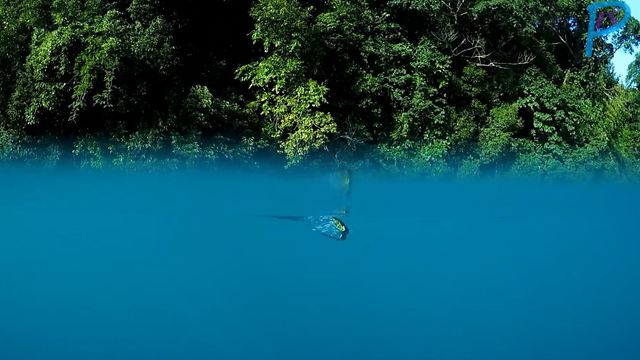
(454, 88)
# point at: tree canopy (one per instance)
(442, 87)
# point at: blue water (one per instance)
(181, 266)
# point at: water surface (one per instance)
(167, 266)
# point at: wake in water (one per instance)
(329, 226)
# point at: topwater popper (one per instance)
(595, 31)
(329, 225)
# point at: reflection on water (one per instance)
(108, 266)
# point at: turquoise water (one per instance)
(168, 266)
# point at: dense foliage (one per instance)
(456, 87)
